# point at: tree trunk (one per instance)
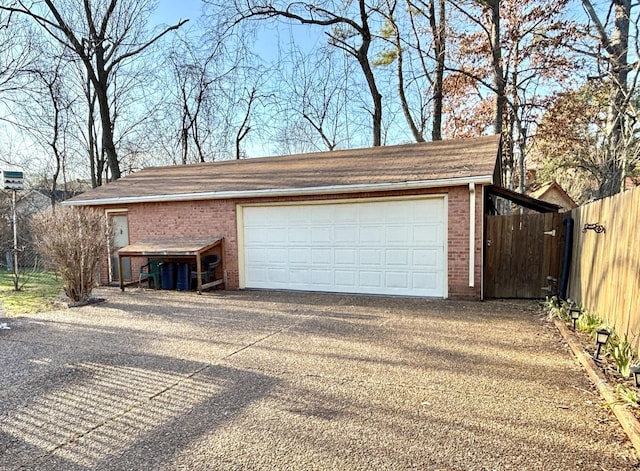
(101, 86)
(616, 57)
(616, 115)
(438, 31)
(363, 60)
(417, 134)
(496, 62)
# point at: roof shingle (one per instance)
(409, 163)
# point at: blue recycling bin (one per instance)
(184, 277)
(167, 276)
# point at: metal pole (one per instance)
(15, 241)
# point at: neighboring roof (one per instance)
(422, 165)
(523, 200)
(554, 193)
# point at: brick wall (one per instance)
(218, 218)
(459, 244)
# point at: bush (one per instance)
(73, 240)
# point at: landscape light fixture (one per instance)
(602, 335)
(636, 374)
(574, 312)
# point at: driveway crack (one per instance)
(249, 345)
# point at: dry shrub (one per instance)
(73, 240)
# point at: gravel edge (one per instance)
(627, 420)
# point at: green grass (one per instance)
(38, 291)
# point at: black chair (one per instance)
(208, 265)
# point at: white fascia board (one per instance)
(319, 190)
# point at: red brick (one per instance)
(216, 218)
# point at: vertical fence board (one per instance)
(520, 256)
(605, 274)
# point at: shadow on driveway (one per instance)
(274, 380)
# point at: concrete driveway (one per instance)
(267, 380)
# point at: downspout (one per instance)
(472, 234)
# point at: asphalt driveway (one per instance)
(267, 380)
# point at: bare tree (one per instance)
(50, 120)
(102, 35)
(193, 82)
(315, 101)
(417, 34)
(350, 30)
(609, 30)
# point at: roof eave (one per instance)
(322, 190)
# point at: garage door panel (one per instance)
(371, 235)
(346, 279)
(321, 256)
(397, 257)
(278, 274)
(257, 275)
(346, 214)
(277, 235)
(322, 214)
(253, 236)
(258, 256)
(398, 235)
(322, 278)
(299, 277)
(426, 211)
(428, 234)
(276, 255)
(369, 257)
(299, 235)
(297, 215)
(371, 279)
(397, 280)
(428, 281)
(321, 235)
(369, 213)
(389, 247)
(345, 235)
(299, 256)
(428, 258)
(346, 256)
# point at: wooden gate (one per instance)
(521, 250)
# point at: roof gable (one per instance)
(554, 193)
(411, 165)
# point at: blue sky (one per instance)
(170, 11)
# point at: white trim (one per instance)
(483, 241)
(441, 196)
(371, 199)
(115, 211)
(240, 239)
(110, 213)
(445, 198)
(319, 190)
(472, 234)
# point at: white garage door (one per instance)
(387, 247)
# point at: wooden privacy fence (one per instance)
(521, 250)
(605, 273)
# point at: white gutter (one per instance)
(472, 234)
(319, 190)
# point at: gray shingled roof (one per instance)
(442, 163)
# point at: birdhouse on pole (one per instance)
(12, 180)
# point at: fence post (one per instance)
(12, 180)
(15, 241)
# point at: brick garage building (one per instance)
(398, 220)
